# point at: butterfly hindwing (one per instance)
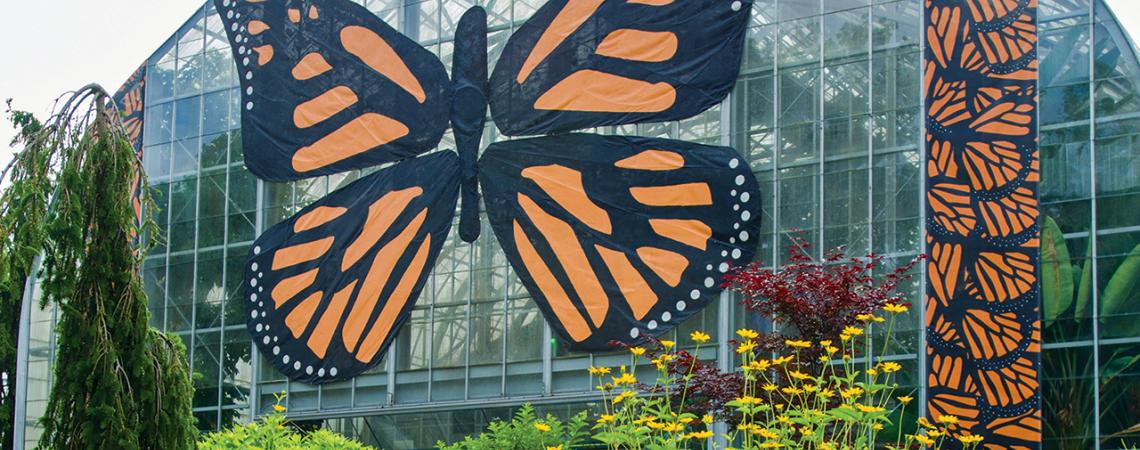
(619, 237)
(329, 288)
(583, 63)
(328, 87)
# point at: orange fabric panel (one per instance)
(639, 45)
(666, 264)
(568, 249)
(294, 15)
(693, 233)
(324, 106)
(572, 16)
(257, 27)
(290, 287)
(375, 281)
(636, 291)
(264, 54)
(560, 303)
(326, 327)
(377, 54)
(299, 318)
(358, 136)
(381, 215)
(311, 65)
(317, 217)
(313, 13)
(593, 91)
(690, 194)
(301, 253)
(395, 304)
(564, 185)
(656, 160)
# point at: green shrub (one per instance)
(274, 432)
(526, 432)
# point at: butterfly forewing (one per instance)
(328, 87)
(583, 63)
(617, 238)
(329, 288)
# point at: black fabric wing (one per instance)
(584, 63)
(328, 87)
(329, 288)
(617, 238)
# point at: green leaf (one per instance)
(1084, 291)
(1056, 272)
(1117, 300)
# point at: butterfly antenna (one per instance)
(469, 111)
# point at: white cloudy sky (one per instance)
(50, 47)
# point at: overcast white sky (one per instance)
(51, 46)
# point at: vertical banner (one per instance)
(129, 101)
(983, 294)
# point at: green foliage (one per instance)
(526, 432)
(117, 383)
(1056, 272)
(20, 216)
(273, 432)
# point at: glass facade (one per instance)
(828, 112)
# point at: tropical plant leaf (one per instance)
(1056, 272)
(1117, 299)
(1084, 289)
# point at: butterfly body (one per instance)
(616, 238)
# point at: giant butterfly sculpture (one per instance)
(616, 238)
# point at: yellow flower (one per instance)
(758, 365)
(542, 427)
(707, 419)
(782, 360)
(872, 372)
(771, 444)
(672, 427)
(770, 387)
(810, 388)
(824, 359)
(623, 396)
(864, 317)
(278, 408)
(637, 351)
(625, 378)
(825, 344)
(890, 367)
(934, 433)
(922, 422)
(606, 418)
(747, 334)
(906, 399)
(831, 350)
(792, 391)
(749, 400)
(948, 419)
(877, 427)
(554, 447)
(971, 439)
(700, 434)
(826, 394)
(869, 409)
(668, 344)
(746, 347)
(853, 331)
(852, 392)
(798, 375)
(923, 440)
(895, 309)
(797, 344)
(699, 337)
(599, 370)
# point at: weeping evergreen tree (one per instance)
(118, 383)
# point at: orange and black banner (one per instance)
(983, 292)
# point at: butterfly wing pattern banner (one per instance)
(983, 294)
(616, 238)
